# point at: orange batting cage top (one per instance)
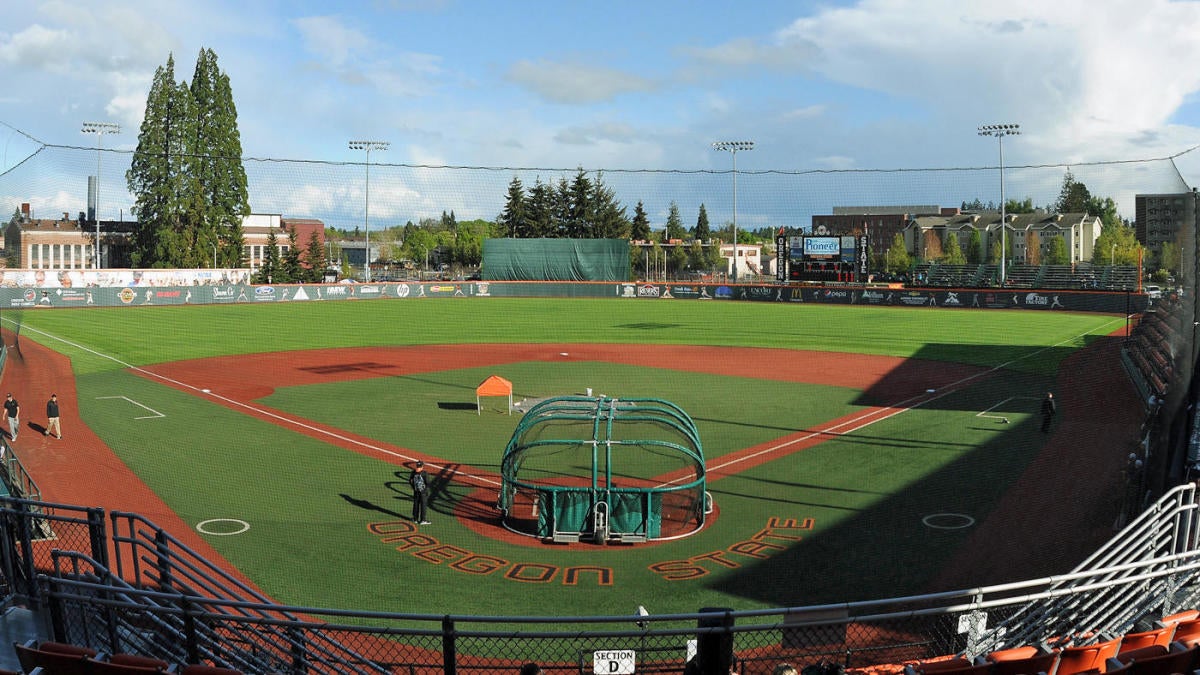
(493, 386)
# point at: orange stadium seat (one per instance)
(52, 660)
(1035, 661)
(1178, 659)
(1159, 636)
(1187, 632)
(1080, 658)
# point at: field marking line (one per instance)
(145, 407)
(282, 420)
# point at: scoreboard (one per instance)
(822, 258)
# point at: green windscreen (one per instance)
(555, 260)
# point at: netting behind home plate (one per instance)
(604, 469)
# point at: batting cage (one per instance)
(601, 469)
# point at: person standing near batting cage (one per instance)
(12, 410)
(52, 423)
(420, 485)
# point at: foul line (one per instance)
(144, 407)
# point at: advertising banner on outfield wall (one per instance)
(134, 294)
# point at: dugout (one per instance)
(601, 469)
(555, 260)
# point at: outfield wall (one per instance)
(1114, 302)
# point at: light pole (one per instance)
(1000, 131)
(1112, 256)
(368, 146)
(214, 247)
(732, 148)
(99, 128)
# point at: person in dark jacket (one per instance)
(52, 422)
(1049, 409)
(420, 485)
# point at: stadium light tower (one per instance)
(732, 148)
(368, 146)
(99, 128)
(1000, 131)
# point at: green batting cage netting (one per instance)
(601, 469)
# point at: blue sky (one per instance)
(630, 84)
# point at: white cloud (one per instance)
(575, 83)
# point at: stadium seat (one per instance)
(1076, 659)
(1159, 636)
(1177, 659)
(1185, 615)
(1187, 632)
(1035, 660)
(61, 662)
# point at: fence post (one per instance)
(449, 648)
(98, 536)
(714, 649)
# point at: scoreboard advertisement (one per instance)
(825, 258)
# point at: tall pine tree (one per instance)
(221, 175)
(702, 231)
(187, 178)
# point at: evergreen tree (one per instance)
(220, 174)
(609, 221)
(1074, 196)
(290, 270)
(674, 224)
(270, 262)
(540, 210)
(512, 220)
(158, 175)
(187, 178)
(578, 221)
(314, 257)
(562, 210)
(702, 231)
(640, 227)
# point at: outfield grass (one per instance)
(310, 502)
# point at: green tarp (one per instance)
(555, 260)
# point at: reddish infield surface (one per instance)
(80, 469)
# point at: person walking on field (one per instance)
(1049, 408)
(52, 425)
(12, 409)
(420, 485)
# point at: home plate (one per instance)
(930, 391)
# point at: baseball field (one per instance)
(852, 453)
